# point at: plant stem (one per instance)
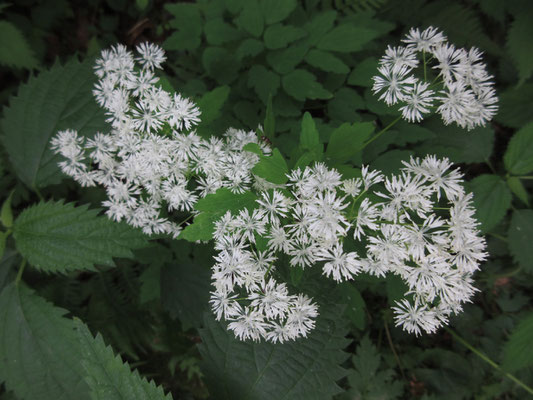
(21, 270)
(381, 132)
(488, 360)
(391, 345)
(525, 177)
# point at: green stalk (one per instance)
(381, 132)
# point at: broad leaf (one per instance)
(57, 237)
(492, 199)
(326, 62)
(220, 64)
(518, 158)
(363, 72)
(277, 10)
(39, 353)
(273, 168)
(14, 49)
(278, 36)
(219, 32)
(188, 24)
(305, 369)
(518, 189)
(285, 60)
(302, 85)
(309, 138)
(520, 234)
(265, 82)
(57, 99)
(251, 19)
(348, 140)
(344, 105)
(108, 377)
(517, 351)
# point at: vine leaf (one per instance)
(305, 369)
(39, 351)
(56, 237)
(57, 99)
(108, 377)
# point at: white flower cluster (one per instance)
(418, 225)
(460, 83)
(148, 164)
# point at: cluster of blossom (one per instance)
(150, 162)
(462, 84)
(418, 225)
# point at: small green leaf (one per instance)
(516, 186)
(211, 104)
(218, 32)
(396, 289)
(363, 72)
(344, 105)
(515, 106)
(272, 168)
(277, 10)
(278, 36)
(250, 48)
(520, 234)
(265, 82)
(38, 348)
(14, 49)
(518, 158)
(319, 25)
(519, 43)
(3, 239)
(108, 377)
(6, 214)
(285, 60)
(270, 121)
(220, 64)
(56, 237)
(348, 140)
(302, 85)
(519, 348)
(251, 18)
(326, 62)
(355, 305)
(492, 199)
(309, 137)
(347, 38)
(188, 24)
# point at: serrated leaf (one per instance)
(519, 235)
(219, 32)
(518, 349)
(326, 62)
(265, 82)
(285, 60)
(39, 353)
(492, 199)
(108, 377)
(277, 10)
(518, 157)
(363, 72)
(518, 189)
(185, 291)
(519, 41)
(348, 140)
(355, 305)
(347, 38)
(212, 207)
(220, 64)
(302, 85)
(57, 99)
(278, 36)
(515, 106)
(250, 48)
(56, 237)
(306, 369)
(273, 168)
(251, 19)
(319, 25)
(188, 24)
(344, 105)
(210, 105)
(14, 49)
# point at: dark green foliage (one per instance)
(303, 369)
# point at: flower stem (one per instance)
(381, 132)
(21, 270)
(488, 360)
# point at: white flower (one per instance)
(394, 82)
(418, 101)
(341, 265)
(151, 55)
(426, 40)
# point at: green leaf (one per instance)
(185, 291)
(515, 106)
(14, 49)
(518, 158)
(326, 61)
(519, 235)
(270, 121)
(6, 214)
(251, 18)
(277, 10)
(363, 72)
(348, 140)
(57, 237)
(284, 61)
(278, 36)
(265, 82)
(519, 41)
(492, 199)
(250, 48)
(319, 25)
(210, 105)
(302, 85)
(306, 369)
(188, 24)
(355, 305)
(220, 64)
(518, 349)
(38, 348)
(108, 377)
(272, 168)
(309, 137)
(516, 186)
(396, 288)
(212, 207)
(57, 99)
(219, 32)
(344, 104)
(347, 38)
